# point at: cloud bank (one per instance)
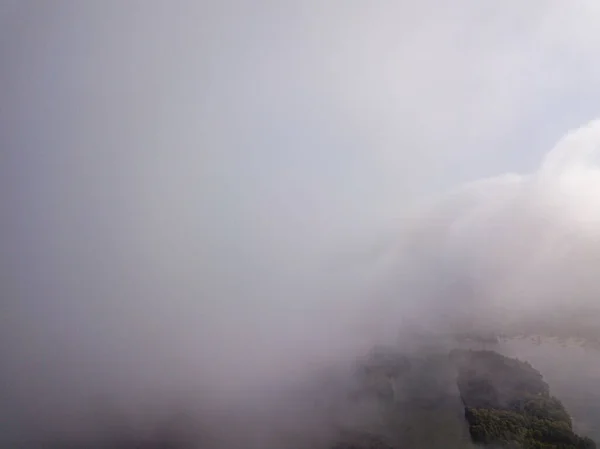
(207, 202)
(507, 249)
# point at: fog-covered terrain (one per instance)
(572, 372)
(212, 210)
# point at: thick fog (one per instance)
(206, 204)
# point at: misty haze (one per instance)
(299, 224)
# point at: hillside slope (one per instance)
(452, 400)
(508, 404)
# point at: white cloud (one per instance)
(179, 178)
(509, 248)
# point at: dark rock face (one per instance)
(419, 404)
(487, 379)
(362, 441)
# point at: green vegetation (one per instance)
(508, 404)
(429, 400)
(512, 429)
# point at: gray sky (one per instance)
(182, 180)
